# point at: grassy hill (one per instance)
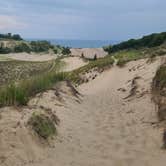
(149, 41)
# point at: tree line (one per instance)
(10, 36)
(33, 46)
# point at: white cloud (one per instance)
(7, 22)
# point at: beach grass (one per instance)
(42, 125)
(19, 93)
(101, 63)
(127, 55)
(160, 79)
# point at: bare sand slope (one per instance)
(113, 123)
(29, 57)
(73, 63)
(88, 52)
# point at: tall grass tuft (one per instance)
(19, 93)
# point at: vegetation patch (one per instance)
(10, 36)
(15, 44)
(13, 71)
(19, 93)
(42, 125)
(100, 64)
(159, 82)
(153, 40)
(127, 55)
(159, 93)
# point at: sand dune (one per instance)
(88, 52)
(105, 125)
(30, 57)
(73, 63)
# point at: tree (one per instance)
(95, 57)
(16, 37)
(66, 51)
(82, 55)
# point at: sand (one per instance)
(88, 52)
(29, 57)
(106, 125)
(73, 63)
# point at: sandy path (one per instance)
(102, 128)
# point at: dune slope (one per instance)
(112, 122)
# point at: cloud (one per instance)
(94, 19)
(7, 22)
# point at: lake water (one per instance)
(79, 43)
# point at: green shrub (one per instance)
(66, 51)
(22, 47)
(10, 36)
(3, 49)
(40, 46)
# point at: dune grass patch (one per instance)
(101, 63)
(19, 93)
(159, 96)
(14, 70)
(42, 125)
(127, 55)
(159, 82)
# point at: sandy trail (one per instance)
(100, 128)
(104, 129)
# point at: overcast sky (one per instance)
(83, 19)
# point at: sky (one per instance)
(83, 19)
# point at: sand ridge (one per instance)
(88, 52)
